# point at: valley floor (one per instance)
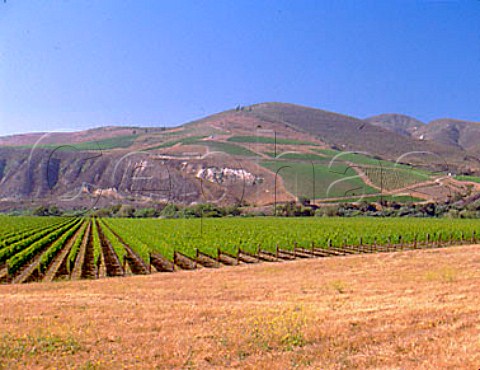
(418, 309)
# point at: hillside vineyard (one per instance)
(255, 155)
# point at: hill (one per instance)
(371, 311)
(255, 154)
(107, 134)
(348, 133)
(461, 134)
(452, 133)
(399, 123)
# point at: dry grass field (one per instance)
(418, 309)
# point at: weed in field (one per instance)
(445, 274)
(339, 286)
(283, 330)
(264, 331)
(16, 347)
(91, 365)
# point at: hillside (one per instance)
(399, 123)
(452, 133)
(255, 154)
(411, 309)
(462, 134)
(348, 133)
(109, 136)
(87, 179)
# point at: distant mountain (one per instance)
(399, 123)
(461, 134)
(345, 132)
(447, 132)
(348, 133)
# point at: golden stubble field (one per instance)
(418, 309)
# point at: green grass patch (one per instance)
(394, 178)
(191, 140)
(110, 143)
(377, 198)
(363, 159)
(468, 178)
(297, 156)
(227, 148)
(302, 179)
(356, 158)
(220, 146)
(268, 140)
(117, 142)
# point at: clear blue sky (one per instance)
(77, 64)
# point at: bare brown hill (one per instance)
(348, 133)
(336, 130)
(61, 138)
(461, 134)
(399, 123)
(87, 179)
(217, 158)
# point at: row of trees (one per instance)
(169, 211)
(392, 209)
(289, 209)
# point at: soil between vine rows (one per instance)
(138, 261)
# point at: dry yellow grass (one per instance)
(418, 309)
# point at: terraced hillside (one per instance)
(243, 150)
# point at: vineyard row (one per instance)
(95, 248)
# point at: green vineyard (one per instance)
(394, 178)
(47, 249)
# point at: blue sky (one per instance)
(78, 64)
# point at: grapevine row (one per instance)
(185, 244)
(18, 259)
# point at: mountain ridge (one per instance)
(236, 155)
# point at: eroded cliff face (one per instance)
(73, 179)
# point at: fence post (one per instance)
(473, 237)
(428, 239)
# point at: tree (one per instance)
(47, 211)
(304, 201)
(169, 211)
(146, 213)
(126, 211)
